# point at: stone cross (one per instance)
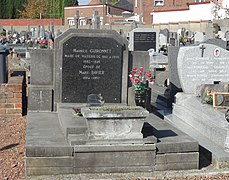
(76, 19)
(202, 48)
(96, 20)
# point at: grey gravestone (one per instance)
(42, 67)
(199, 37)
(143, 39)
(172, 41)
(218, 42)
(90, 62)
(41, 82)
(221, 35)
(175, 85)
(40, 98)
(227, 35)
(163, 39)
(173, 35)
(139, 59)
(165, 32)
(194, 70)
(162, 78)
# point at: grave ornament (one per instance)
(95, 100)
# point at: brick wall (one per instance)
(30, 22)
(12, 97)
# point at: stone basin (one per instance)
(112, 123)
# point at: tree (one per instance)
(35, 9)
(11, 9)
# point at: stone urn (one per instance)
(115, 124)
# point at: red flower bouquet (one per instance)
(140, 79)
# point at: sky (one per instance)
(83, 2)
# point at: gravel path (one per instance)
(12, 148)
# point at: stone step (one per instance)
(162, 101)
(194, 103)
(206, 111)
(160, 110)
(220, 158)
(77, 139)
(71, 123)
(158, 89)
(202, 125)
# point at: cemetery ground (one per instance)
(12, 161)
(12, 148)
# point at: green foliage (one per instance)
(12, 9)
(114, 1)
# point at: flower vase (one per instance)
(140, 99)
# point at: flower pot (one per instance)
(140, 99)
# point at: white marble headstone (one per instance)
(193, 69)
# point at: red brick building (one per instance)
(146, 7)
(107, 12)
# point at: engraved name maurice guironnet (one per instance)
(91, 61)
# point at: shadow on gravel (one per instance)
(205, 157)
(9, 146)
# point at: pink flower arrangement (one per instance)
(140, 79)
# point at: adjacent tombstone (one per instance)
(202, 66)
(3, 64)
(175, 85)
(96, 20)
(162, 39)
(39, 31)
(162, 78)
(43, 31)
(218, 42)
(90, 62)
(172, 41)
(41, 82)
(221, 35)
(199, 37)
(143, 39)
(166, 33)
(158, 60)
(227, 35)
(1, 28)
(52, 29)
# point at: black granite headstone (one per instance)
(143, 41)
(91, 65)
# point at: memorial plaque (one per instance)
(143, 41)
(200, 66)
(91, 65)
(221, 100)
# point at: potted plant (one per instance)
(140, 81)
